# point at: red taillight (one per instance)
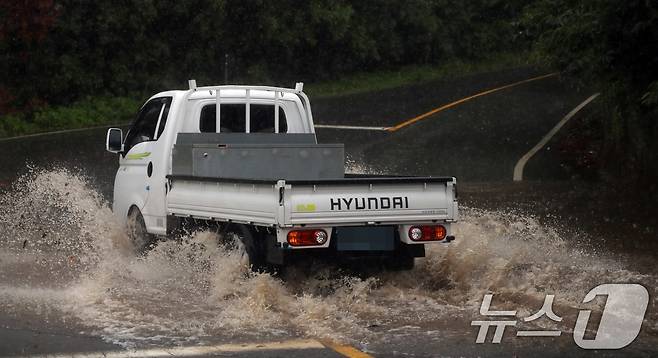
(427, 233)
(307, 237)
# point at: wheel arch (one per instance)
(132, 208)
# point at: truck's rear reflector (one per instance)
(427, 233)
(307, 237)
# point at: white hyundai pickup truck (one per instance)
(245, 160)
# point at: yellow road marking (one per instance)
(347, 351)
(194, 351)
(452, 104)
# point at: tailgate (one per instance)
(370, 200)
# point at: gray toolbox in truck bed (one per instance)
(257, 156)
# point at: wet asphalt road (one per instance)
(479, 142)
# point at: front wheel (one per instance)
(142, 241)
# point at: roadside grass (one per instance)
(97, 111)
(87, 112)
(408, 75)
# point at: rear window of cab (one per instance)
(233, 118)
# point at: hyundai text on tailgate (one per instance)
(245, 160)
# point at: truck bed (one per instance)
(355, 200)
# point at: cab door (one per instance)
(132, 185)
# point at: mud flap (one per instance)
(274, 254)
(415, 250)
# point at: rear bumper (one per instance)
(353, 243)
(363, 238)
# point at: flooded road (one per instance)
(66, 265)
(70, 281)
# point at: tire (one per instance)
(142, 241)
(253, 255)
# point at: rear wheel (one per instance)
(253, 255)
(141, 239)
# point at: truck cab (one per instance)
(146, 153)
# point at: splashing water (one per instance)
(62, 250)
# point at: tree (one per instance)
(612, 45)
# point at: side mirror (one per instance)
(114, 140)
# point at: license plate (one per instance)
(365, 238)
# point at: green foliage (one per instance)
(67, 63)
(143, 46)
(105, 110)
(84, 113)
(15, 124)
(413, 74)
(611, 45)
